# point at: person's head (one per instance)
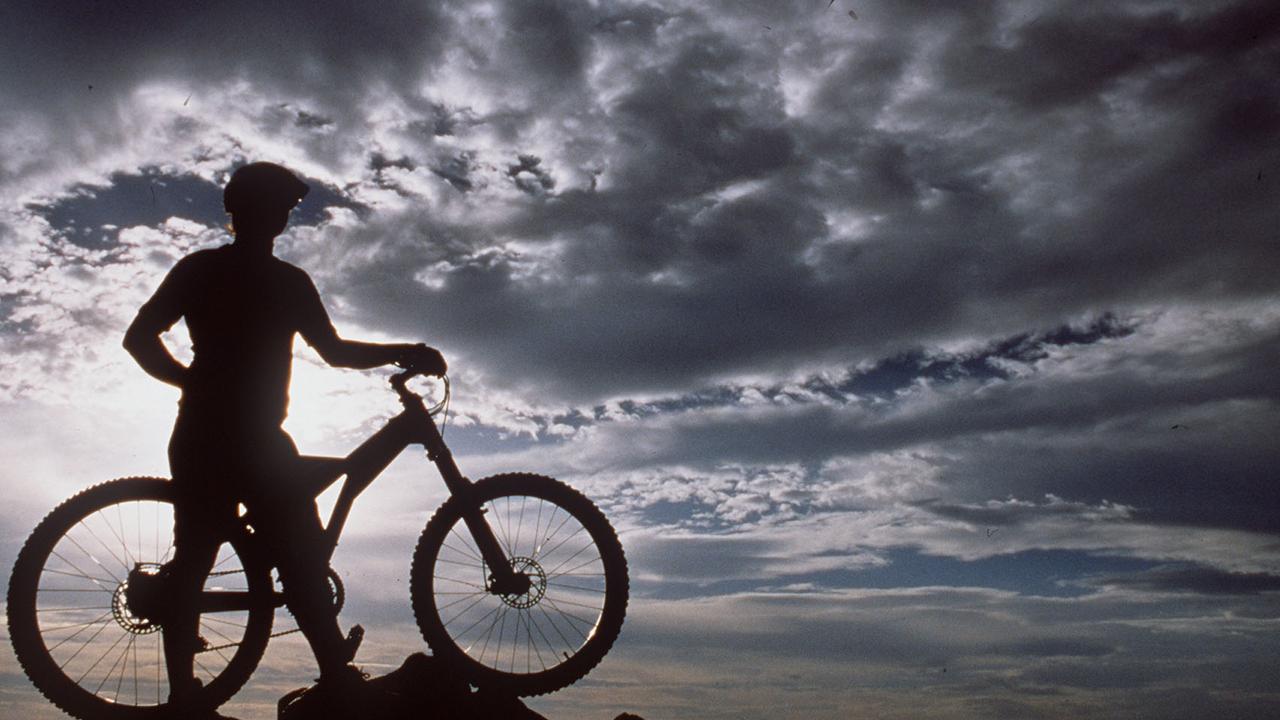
(259, 197)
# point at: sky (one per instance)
(923, 354)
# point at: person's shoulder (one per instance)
(290, 272)
(199, 259)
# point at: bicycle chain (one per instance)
(232, 645)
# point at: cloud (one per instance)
(1015, 512)
(1202, 580)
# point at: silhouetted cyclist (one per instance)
(242, 306)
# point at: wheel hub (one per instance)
(532, 574)
(133, 602)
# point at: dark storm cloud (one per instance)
(324, 48)
(764, 275)
(715, 240)
(690, 558)
(1193, 579)
(527, 174)
(1184, 211)
(545, 38)
(1053, 647)
(851, 201)
(1222, 478)
(882, 380)
(1062, 404)
(457, 171)
(1064, 56)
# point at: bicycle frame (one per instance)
(413, 426)
(76, 623)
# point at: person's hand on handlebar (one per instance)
(423, 359)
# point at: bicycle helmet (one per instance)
(262, 186)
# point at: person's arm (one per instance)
(318, 331)
(157, 315)
(144, 344)
(340, 352)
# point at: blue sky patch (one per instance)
(91, 216)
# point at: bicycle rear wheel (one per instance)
(552, 634)
(72, 625)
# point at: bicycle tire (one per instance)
(534, 550)
(42, 581)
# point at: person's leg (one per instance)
(195, 549)
(198, 453)
(291, 525)
(296, 537)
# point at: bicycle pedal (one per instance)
(355, 636)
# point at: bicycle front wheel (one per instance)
(555, 632)
(75, 631)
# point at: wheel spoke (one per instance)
(520, 520)
(135, 673)
(124, 562)
(230, 556)
(124, 546)
(575, 587)
(90, 544)
(209, 617)
(101, 620)
(475, 557)
(555, 626)
(537, 529)
(202, 666)
(569, 559)
(502, 617)
(503, 534)
(470, 565)
(570, 616)
(58, 628)
(81, 573)
(593, 608)
(576, 567)
(550, 647)
(538, 551)
(466, 610)
(466, 596)
(497, 615)
(461, 582)
(102, 656)
(477, 622)
(118, 663)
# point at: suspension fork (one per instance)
(502, 578)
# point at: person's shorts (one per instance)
(217, 466)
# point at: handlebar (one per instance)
(407, 396)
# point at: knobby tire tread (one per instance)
(603, 536)
(24, 631)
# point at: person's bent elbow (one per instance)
(134, 340)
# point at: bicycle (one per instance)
(517, 580)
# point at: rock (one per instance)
(422, 688)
